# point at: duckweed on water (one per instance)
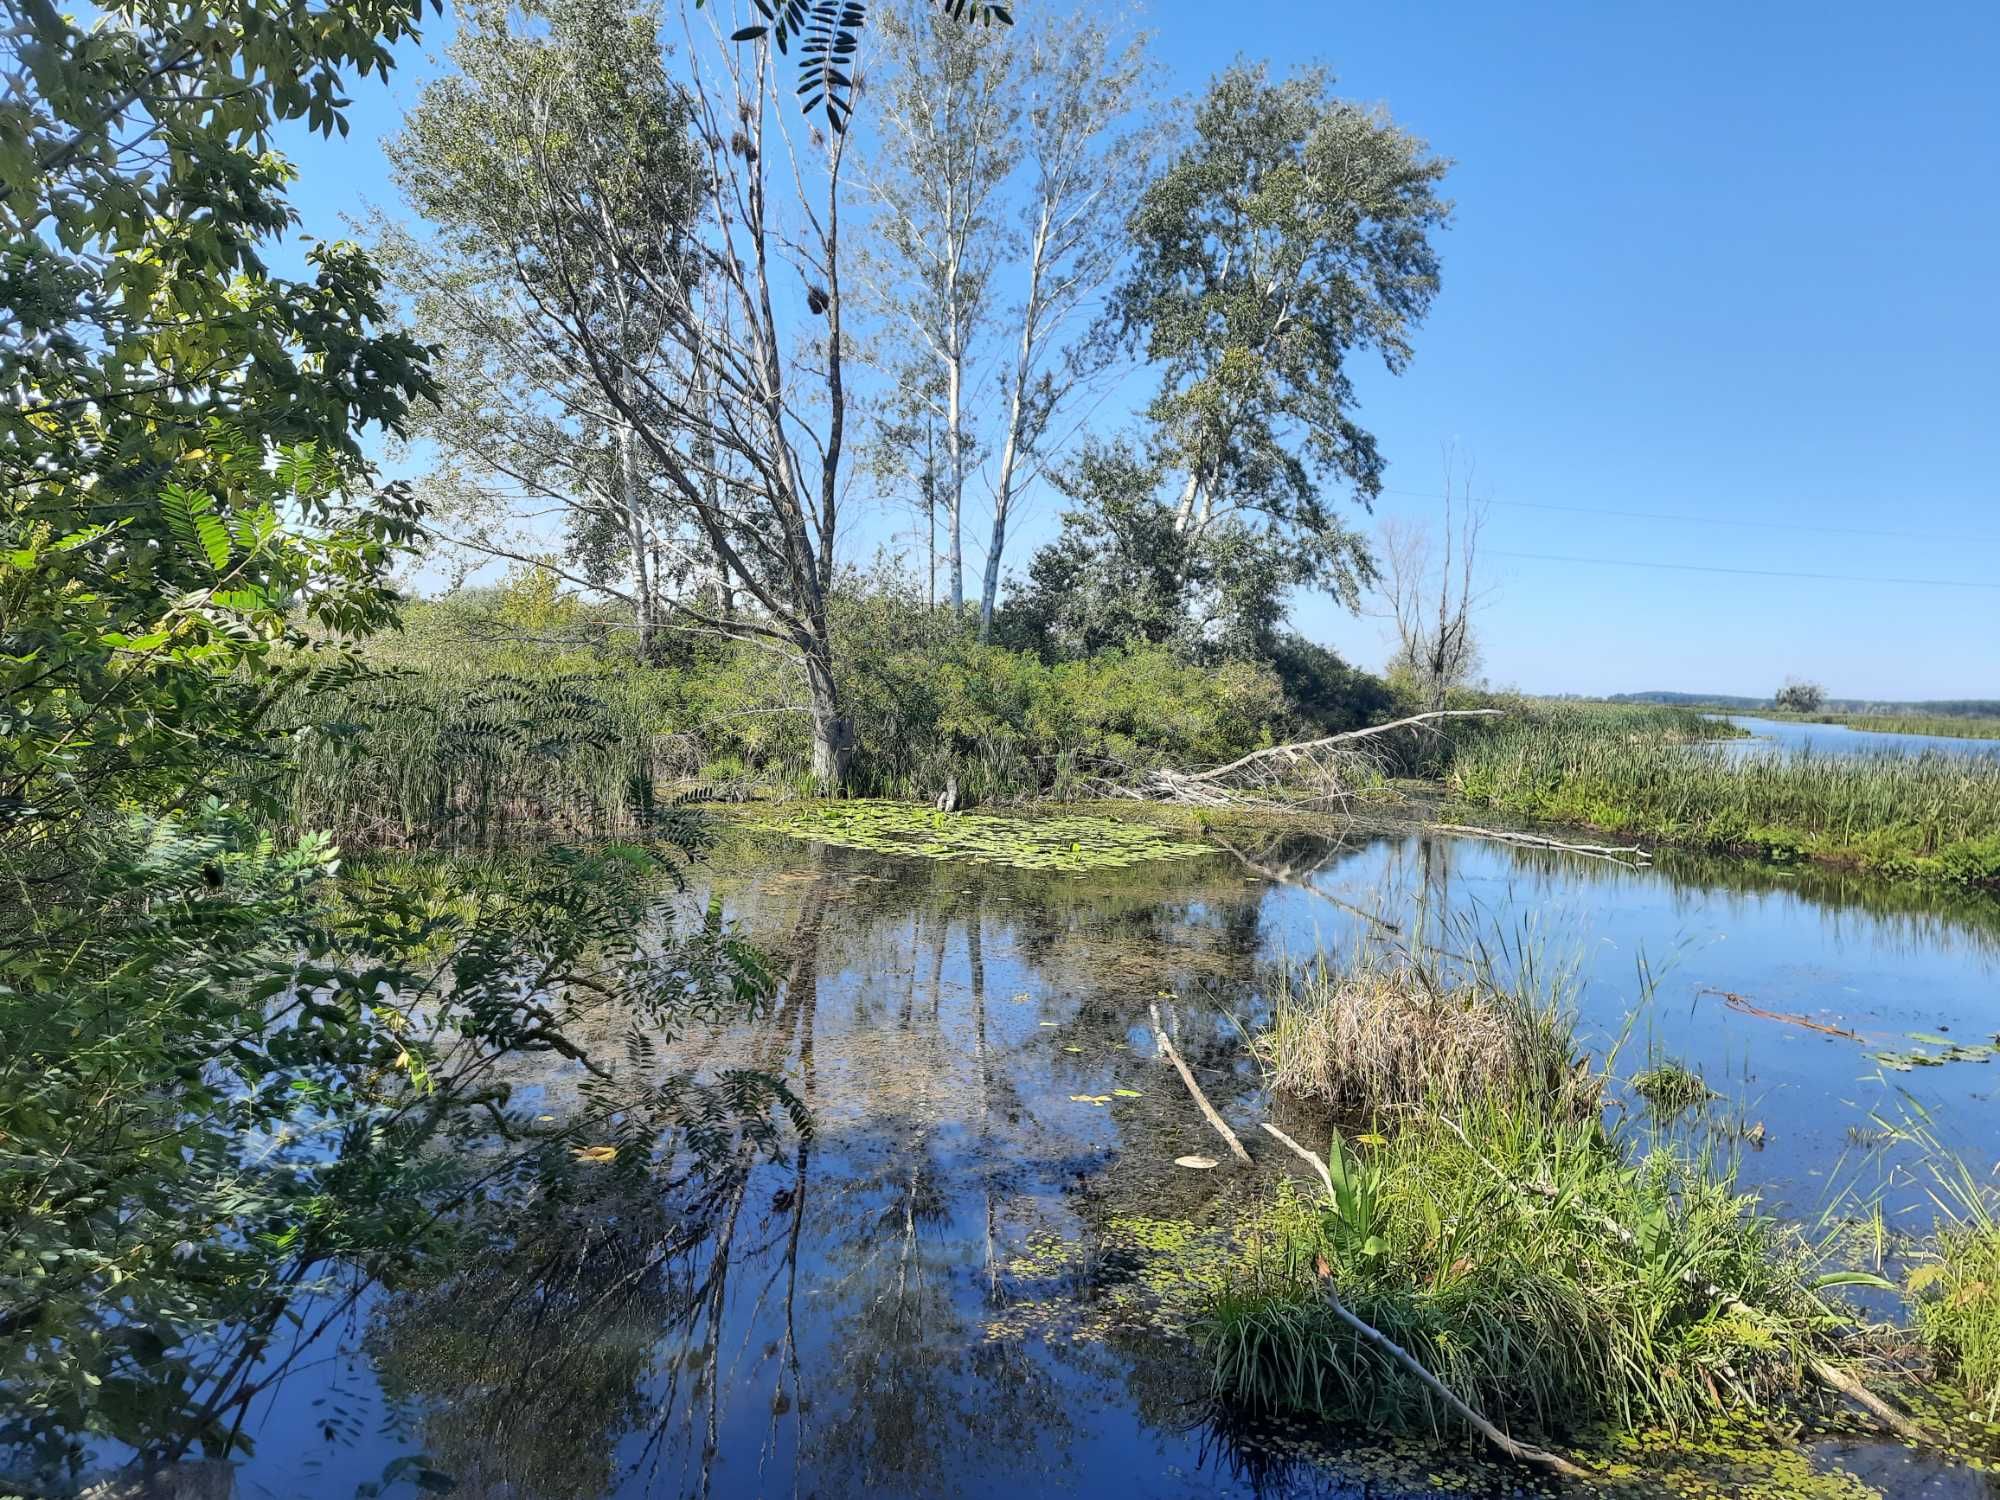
(1072, 844)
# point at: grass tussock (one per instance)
(1671, 1088)
(1538, 1265)
(1932, 816)
(1386, 1036)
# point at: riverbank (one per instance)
(1932, 819)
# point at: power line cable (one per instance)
(1627, 562)
(1956, 538)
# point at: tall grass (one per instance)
(1548, 1271)
(1948, 726)
(1932, 816)
(458, 755)
(1955, 1295)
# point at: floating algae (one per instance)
(1071, 844)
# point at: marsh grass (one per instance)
(1954, 1295)
(462, 755)
(1547, 1270)
(1930, 816)
(1671, 1088)
(1391, 1034)
(1944, 726)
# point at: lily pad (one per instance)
(1071, 844)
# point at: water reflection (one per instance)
(848, 1320)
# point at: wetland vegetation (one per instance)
(702, 1015)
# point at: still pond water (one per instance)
(1837, 739)
(944, 1294)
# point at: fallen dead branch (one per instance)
(1736, 1002)
(1187, 1077)
(1836, 1379)
(1327, 767)
(1512, 1447)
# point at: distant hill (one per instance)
(1963, 708)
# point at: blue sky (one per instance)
(1716, 262)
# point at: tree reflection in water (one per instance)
(822, 1324)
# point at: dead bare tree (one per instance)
(1429, 593)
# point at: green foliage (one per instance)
(1291, 231)
(481, 719)
(1642, 771)
(1945, 726)
(554, 174)
(228, 1102)
(1956, 1297)
(1671, 1088)
(826, 33)
(1544, 1270)
(181, 459)
(1800, 697)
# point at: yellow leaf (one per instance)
(597, 1155)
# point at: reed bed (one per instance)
(462, 756)
(1946, 726)
(1931, 816)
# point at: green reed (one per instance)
(1949, 726)
(1931, 816)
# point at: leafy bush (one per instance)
(508, 706)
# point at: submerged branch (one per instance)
(1187, 1077)
(1631, 856)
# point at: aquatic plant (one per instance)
(1671, 1088)
(1942, 726)
(1954, 1295)
(1935, 1051)
(1384, 1035)
(1071, 843)
(1535, 1264)
(1956, 1303)
(1931, 816)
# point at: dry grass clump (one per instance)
(1387, 1036)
